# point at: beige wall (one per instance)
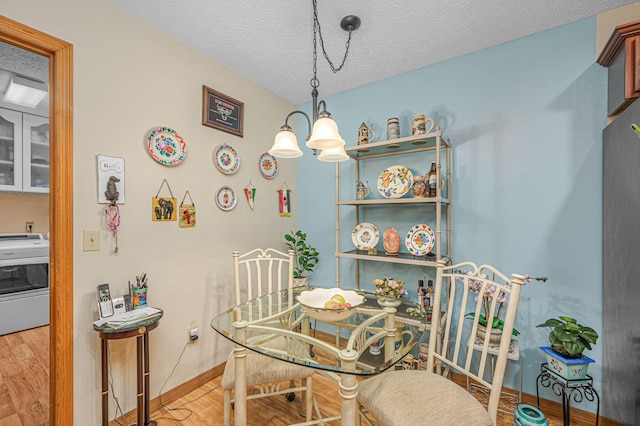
(609, 20)
(16, 209)
(128, 77)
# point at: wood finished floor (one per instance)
(24, 393)
(272, 411)
(24, 378)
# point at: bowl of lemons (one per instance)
(330, 304)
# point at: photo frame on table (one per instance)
(222, 112)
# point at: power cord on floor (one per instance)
(113, 393)
(166, 408)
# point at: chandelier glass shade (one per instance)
(325, 136)
(333, 155)
(285, 144)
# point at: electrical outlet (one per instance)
(90, 240)
(193, 334)
(28, 226)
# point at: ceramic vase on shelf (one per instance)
(389, 302)
(391, 242)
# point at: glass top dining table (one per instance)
(371, 340)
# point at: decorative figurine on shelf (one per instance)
(364, 135)
(391, 242)
(419, 187)
(393, 129)
(362, 190)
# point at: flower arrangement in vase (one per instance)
(497, 323)
(389, 291)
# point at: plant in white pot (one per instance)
(568, 340)
(306, 256)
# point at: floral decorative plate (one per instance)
(365, 236)
(226, 198)
(227, 159)
(268, 166)
(166, 146)
(420, 240)
(394, 182)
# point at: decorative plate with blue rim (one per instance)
(226, 159)
(268, 166)
(226, 198)
(166, 146)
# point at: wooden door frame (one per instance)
(60, 54)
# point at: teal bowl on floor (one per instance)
(527, 415)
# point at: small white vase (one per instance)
(301, 282)
(391, 302)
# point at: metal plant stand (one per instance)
(578, 390)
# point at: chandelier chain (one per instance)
(317, 29)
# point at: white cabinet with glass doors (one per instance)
(24, 152)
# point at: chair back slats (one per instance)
(260, 272)
(471, 292)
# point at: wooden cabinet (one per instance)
(24, 152)
(420, 151)
(621, 55)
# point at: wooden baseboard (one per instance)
(548, 407)
(176, 393)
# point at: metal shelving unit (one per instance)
(413, 145)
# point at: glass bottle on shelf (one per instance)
(432, 180)
(429, 298)
(421, 292)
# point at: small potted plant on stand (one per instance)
(568, 340)
(306, 257)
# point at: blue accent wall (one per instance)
(525, 119)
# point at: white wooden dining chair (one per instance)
(428, 397)
(260, 272)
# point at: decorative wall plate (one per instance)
(226, 159)
(166, 146)
(226, 198)
(420, 240)
(365, 236)
(268, 166)
(394, 182)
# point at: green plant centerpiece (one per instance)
(306, 256)
(568, 338)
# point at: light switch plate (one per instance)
(90, 240)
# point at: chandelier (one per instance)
(325, 136)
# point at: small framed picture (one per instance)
(222, 112)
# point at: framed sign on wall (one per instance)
(222, 112)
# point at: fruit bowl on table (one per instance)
(324, 303)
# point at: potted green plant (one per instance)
(497, 324)
(568, 340)
(306, 256)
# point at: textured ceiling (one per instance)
(271, 42)
(14, 60)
